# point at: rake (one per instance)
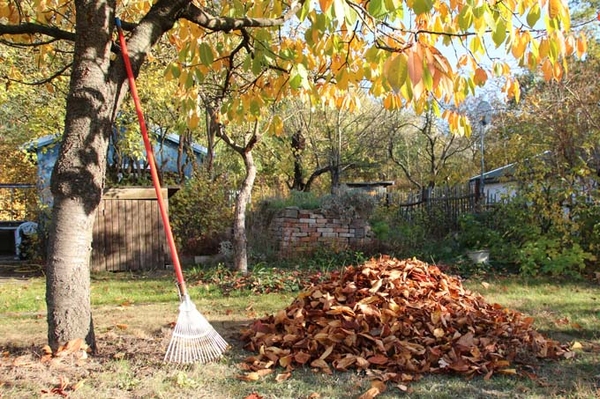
(194, 339)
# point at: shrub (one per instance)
(202, 214)
(348, 204)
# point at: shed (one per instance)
(128, 231)
(497, 183)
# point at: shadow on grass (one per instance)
(127, 362)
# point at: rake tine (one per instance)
(193, 339)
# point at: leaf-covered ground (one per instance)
(397, 319)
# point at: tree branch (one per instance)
(203, 18)
(33, 29)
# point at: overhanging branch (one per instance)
(36, 29)
(226, 24)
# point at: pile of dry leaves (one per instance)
(397, 319)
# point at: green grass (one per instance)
(131, 314)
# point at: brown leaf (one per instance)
(248, 377)
(377, 387)
(378, 359)
(302, 357)
(282, 377)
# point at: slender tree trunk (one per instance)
(240, 247)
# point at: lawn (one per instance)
(133, 314)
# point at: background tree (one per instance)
(331, 141)
(425, 152)
(391, 44)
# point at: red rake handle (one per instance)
(151, 162)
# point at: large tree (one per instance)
(318, 52)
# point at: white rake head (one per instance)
(194, 339)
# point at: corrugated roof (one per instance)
(53, 138)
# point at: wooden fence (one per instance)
(439, 207)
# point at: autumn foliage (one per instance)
(398, 319)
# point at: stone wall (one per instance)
(297, 230)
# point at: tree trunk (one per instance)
(78, 180)
(298, 146)
(95, 94)
(240, 249)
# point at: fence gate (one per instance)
(128, 231)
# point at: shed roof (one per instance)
(494, 175)
(44, 141)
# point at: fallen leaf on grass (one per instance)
(78, 385)
(252, 376)
(282, 377)
(576, 345)
(253, 395)
(377, 387)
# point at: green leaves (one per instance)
(396, 70)
(422, 6)
(299, 77)
(206, 54)
(534, 15)
(465, 18)
(499, 34)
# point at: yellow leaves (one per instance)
(458, 123)
(276, 126)
(325, 5)
(520, 43)
(555, 8)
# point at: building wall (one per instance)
(298, 231)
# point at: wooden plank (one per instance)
(107, 231)
(127, 234)
(156, 236)
(123, 193)
(114, 236)
(134, 228)
(145, 254)
(122, 235)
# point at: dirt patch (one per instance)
(128, 361)
(11, 269)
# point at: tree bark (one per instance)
(78, 179)
(95, 94)
(240, 241)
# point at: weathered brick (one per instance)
(329, 235)
(290, 213)
(325, 229)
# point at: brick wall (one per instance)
(304, 231)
